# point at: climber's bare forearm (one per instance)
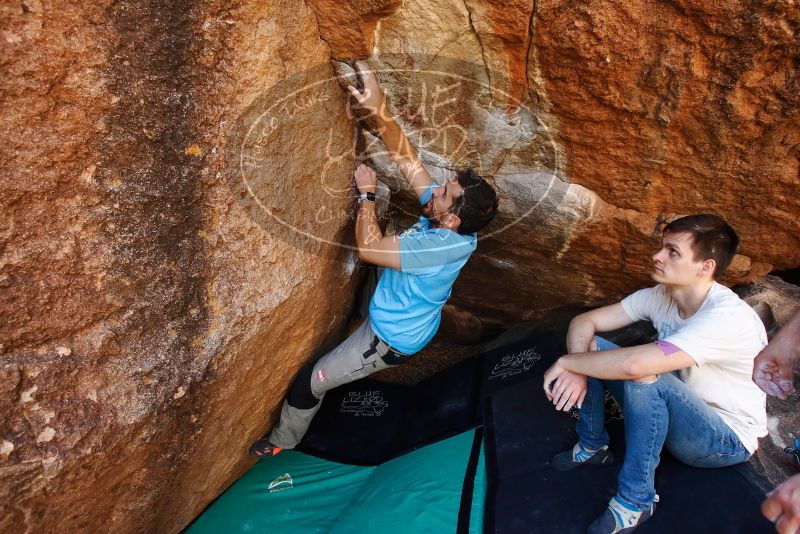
(402, 151)
(373, 246)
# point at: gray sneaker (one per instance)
(617, 519)
(578, 456)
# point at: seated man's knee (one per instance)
(637, 390)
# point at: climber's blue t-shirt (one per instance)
(406, 308)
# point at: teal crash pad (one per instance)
(297, 493)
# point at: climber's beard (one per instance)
(428, 211)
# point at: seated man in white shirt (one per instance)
(691, 391)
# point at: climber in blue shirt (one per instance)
(419, 268)
(406, 307)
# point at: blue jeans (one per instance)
(658, 414)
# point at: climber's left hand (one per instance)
(366, 180)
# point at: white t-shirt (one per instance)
(723, 337)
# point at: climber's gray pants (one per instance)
(359, 355)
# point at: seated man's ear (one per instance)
(451, 221)
(708, 267)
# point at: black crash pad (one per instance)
(369, 422)
(524, 431)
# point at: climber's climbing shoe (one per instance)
(263, 448)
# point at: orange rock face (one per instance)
(680, 108)
(150, 321)
(625, 116)
(176, 202)
(348, 27)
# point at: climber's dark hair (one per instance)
(477, 206)
(712, 239)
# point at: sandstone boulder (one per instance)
(177, 206)
(153, 312)
(598, 123)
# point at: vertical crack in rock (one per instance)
(531, 38)
(348, 27)
(539, 100)
(502, 29)
(310, 5)
(530, 51)
(484, 57)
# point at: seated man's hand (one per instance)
(772, 370)
(371, 98)
(782, 507)
(563, 388)
(366, 181)
(569, 390)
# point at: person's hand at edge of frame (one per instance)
(773, 369)
(782, 506)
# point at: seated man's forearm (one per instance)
(580, 334)
(584, 326)
(612, 364)
(627, 363)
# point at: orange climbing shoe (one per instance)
(263, 448)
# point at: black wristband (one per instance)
(366, 196)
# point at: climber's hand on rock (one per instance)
(782, 506)
(371, 98)
(366, 181)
